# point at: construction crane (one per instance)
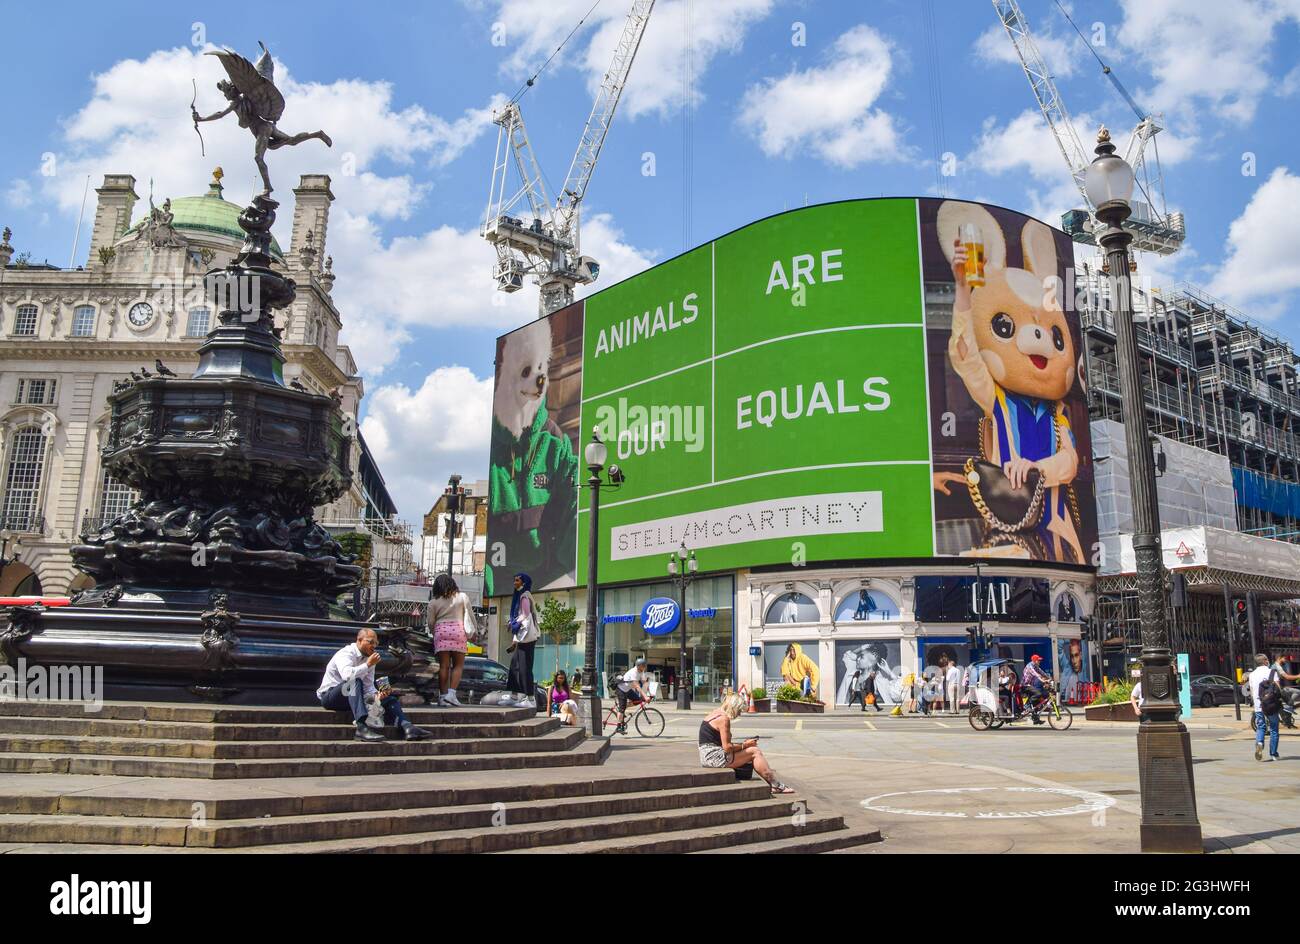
(532, 235)
(1154, 230)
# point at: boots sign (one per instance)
(1000, 599)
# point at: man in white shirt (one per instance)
(1264, 717)
(350, 678)
(633, 685)
(952, 684)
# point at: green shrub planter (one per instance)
(1119, 711)
(784, 707)
(763, 706)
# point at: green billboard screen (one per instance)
(812, 387)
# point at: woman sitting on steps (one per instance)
(718, 750)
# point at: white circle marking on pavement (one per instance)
(1088, 803)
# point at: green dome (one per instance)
(209, 214)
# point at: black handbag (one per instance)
(1005, 508)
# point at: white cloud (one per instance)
(1023, 143)
(418, 437)
(1262, 269)
(533, 29)
(1060, 53)
(442, 278)
(1205, 54)
(828, 109)
(19, 194)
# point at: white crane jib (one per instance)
(547, 245)
(1154, 230)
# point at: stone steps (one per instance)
(143, 797)
(778, 825)
(553, 739)
(209, 731)
(221, 714)
(263, 830)
(164, 778)
(733, 819)
(806, 843)
(569, 751)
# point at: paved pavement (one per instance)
(936, 785)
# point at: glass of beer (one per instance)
(972, 241)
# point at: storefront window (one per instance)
(793, 607)
(868, 666)
(710, 627)
(866, 605)
(774, 658)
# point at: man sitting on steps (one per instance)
(350, 678)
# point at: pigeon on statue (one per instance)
(163, 369)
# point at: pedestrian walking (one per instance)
(870, 694)
(1266, 699)
(855, 691)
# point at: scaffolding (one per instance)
(1211, 378)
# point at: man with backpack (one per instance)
(1266, 698)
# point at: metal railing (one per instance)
(24, 522)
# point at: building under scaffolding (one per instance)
(1222, 394)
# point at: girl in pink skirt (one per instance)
(450, 612)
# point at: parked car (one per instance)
(1211, 690)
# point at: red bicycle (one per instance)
(649, 721)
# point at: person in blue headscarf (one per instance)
(523, 629)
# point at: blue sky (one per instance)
(406, 89)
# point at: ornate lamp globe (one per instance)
(596, 452)
(1109, 179)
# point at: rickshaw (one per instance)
(989, 711)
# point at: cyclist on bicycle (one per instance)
(634, 686)
(1035, 681)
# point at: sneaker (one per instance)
(1259, 752)
(507, 699)
(1273, 757)
(453, 700)
(527, 701)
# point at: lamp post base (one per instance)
(683, 698)
(597, 716)
(1169, 822)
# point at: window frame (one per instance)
(19, 312)
(94, 321)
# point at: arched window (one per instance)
(865, 605)
(793, 607)
(83, 321)
(197, 324)
(25, 320)
(115, 498)
(1068, 609)
(23, 479)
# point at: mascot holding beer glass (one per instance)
(1012, 348)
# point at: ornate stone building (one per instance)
(67, 335)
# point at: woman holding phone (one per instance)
(718, 750)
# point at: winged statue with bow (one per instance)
(258, 105)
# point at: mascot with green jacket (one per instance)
(533, 496)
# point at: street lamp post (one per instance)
(1169, 821)
(681, 570)
(454, 493)
(595, 455)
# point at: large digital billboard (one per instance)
(826, 384)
